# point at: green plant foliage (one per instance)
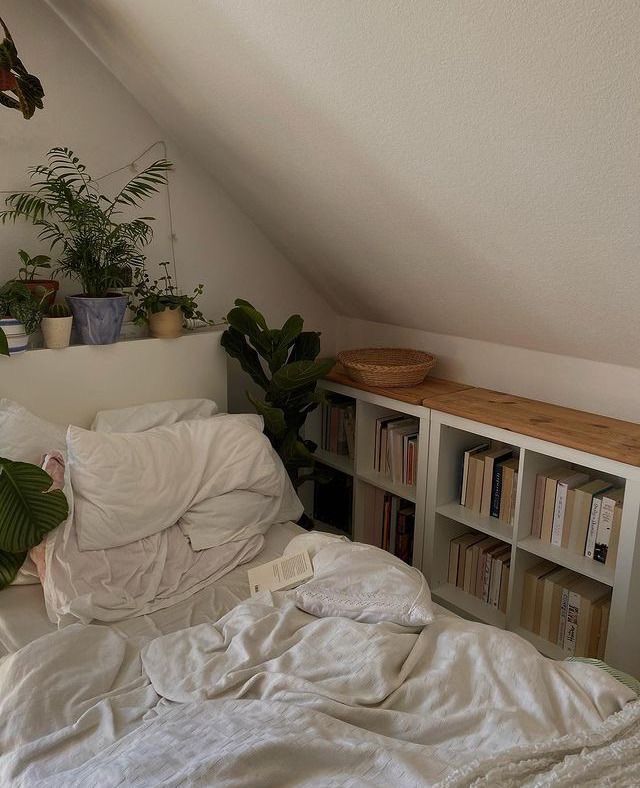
(59, 310)
(17, 301)
(283, 363)
(14, 78)
(82, 225)
(31, 265)
(28, 511)
(153, 297)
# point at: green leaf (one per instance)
(10, 564)
(300, 373)
(274, 422)
(27, 510)
(253, 312)
(4, 344)
(290, 330)
(306, 346)
(237, 347)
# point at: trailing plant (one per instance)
(82, 224)
(161, 294)
(14, 78)
(59, 310)
(29, 509)
(17, 301)
(283, 363)
(31, 265)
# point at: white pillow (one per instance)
(153, 414)
(25, 437)
(364, 583)
(128, 486)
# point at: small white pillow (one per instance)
(128, 486)
(367, 584)
(25, 437)
(153, 414)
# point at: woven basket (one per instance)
(384, 366)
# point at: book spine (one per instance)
(605, 524)
(592, 533)
(514, 493)
(571, 628)
(487, 578)
(496, 490)
(562, 624)
(558, 514)
(536, 525)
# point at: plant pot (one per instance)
(56, 331)
(125, 291)
(166, 324)
(98, 320)
(17, 338)
(38, 286)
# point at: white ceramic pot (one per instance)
(17, 338)
(56, 331)
(166, 324)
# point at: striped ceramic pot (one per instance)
(17, 338)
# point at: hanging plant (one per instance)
(14, 78)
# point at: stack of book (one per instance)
(567, 609)
(490, 481)
(338, 426)
(480, 566)
(581, 514)
(389, 522)
(395, 452)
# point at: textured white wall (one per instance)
(594, 386)
(466, 168)
(88, 110)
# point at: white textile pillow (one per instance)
(364, 583)
(25, 437)
(153, 414)
(128, 486)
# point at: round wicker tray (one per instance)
(383, 366)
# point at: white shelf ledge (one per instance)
(560, 555)
(487, 525)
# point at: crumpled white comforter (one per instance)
(270, 696)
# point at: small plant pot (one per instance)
(17, 338)
(39, 287)
(56, 331)
(166, 324)
(98, 320)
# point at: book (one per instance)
(487, 545)
(548, 507)
(465, 469)
(404, 533)
(610, 500)
(551, 581)
(470, 579)
(595, 626)
(538, 504)
(475, 482)
(614, 539)
(580, 514)
(564, 607)
(455, 546)
(571, 627)
(465, 556)
(589, 591)
(604, 628)
(514, 498)
(491, 458)
(592, 531)
(491, 555)
(565, 484)
(504, 585)
(380, 442)
(281, 574)
(396, 432)
(496, 574)
(509, 471)
(531, 577)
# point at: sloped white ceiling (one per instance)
(469, 168)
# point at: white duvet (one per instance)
(271, 696)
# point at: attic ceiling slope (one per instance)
(467, 169)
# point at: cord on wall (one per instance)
(132, 165)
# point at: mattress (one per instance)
(23, 616)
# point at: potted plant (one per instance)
(162, 307)
(56, 326)
(20, 315)
(27, 274)
(83, 225)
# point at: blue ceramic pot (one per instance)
(97, 320)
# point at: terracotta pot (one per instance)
(38, 286)
(167, 324)
(56, 331)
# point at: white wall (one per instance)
(609, 389)
(87, 109)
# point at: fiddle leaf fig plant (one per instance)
(282, 362)
(29, 509)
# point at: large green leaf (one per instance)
(306, 346)
(243, 319)
(274, 422)
(237, 347)
(27, 510)
(4, 344)
(10, 563)
(300, 373)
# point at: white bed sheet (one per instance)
(23, 617)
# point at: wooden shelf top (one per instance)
(414, 395)
(588, 432)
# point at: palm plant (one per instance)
(82, 224)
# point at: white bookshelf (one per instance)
(370, 407)
(449, 437)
